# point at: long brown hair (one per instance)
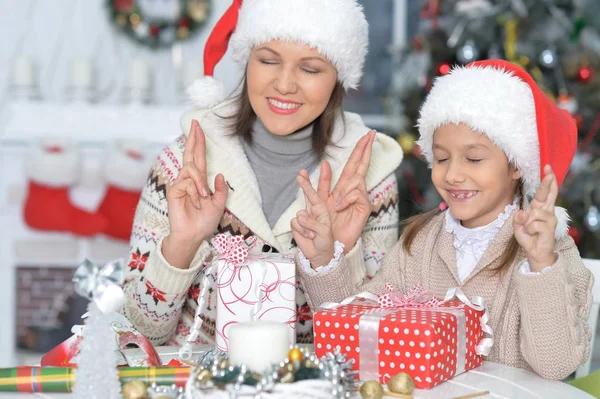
(243, 120)
(413, 225)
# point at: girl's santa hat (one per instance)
(336, 28)
(502, 101)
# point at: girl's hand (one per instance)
(535, 228)
(194, 213)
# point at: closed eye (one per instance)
(471, 160)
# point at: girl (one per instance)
(299, 58)
(488, 131)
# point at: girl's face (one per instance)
(472, 175)
(289, 85)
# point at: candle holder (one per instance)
(138, 89)
(82, 82)
(24, 83)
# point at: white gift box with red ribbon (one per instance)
(250, 286)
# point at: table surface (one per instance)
(501, 381)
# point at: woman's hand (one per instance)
(194, 213)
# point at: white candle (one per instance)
(258, 344)
(23, 72)
(139, 75)
(82, 74)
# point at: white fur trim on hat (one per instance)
(206, 92)
(493, 102)
(53, 163)
(127, 166)
(336, 28)
(562, 227)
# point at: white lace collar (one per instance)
(476, 240)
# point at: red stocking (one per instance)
(52, 170)
(126, 173)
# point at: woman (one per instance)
(299, 59)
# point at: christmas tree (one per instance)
(556, 41)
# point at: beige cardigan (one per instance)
(539, 320)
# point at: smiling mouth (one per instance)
(283, 105)
(462, 194)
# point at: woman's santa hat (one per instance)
(336, 28)
(502, 101)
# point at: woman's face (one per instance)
(289, 85)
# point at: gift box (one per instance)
(252, 286)
(432, 340)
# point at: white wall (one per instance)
(55, 32)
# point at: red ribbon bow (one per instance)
(233, 248)
(417, 297)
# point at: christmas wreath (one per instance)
(159, 23)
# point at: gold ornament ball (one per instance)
(183, 32)
(371, 390)
(121, 20)
(135, 389)
(401, 383)
(295, 354)
(204, 376)
(135, 19)
(407, 142)
(224, 364)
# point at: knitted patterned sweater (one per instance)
(539, 320)
(161, 300)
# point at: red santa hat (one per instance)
(502, 101)
(336, 28)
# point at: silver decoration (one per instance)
(592, 219)
(468, 52)
(158, 391)
(548, 58)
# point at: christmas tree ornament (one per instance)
(468, 52)
(401, 383)
(97, 375)
(585, 74)
(371, 390)
(135, 389)
(592, 219)
(52, 169)
(548, 58)
(568, 103)
(407, 141)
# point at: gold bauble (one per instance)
(204, 376)
(295, 354)
(183, 32)
(224, 364)
(401, 383)
(197, 10)
(135, 389)
(407, 142)
(371, 390)
(135, 20)
(287, 378)
(121, 20)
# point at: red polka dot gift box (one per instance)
(430, 339)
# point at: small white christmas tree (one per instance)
(97, 376)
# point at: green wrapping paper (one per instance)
(62, 379)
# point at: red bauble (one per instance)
(123, 5)
(443, 69)
(575, 234)
(184, 22)
(585, 74)
(154, 30)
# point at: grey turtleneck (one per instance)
(276, 161)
